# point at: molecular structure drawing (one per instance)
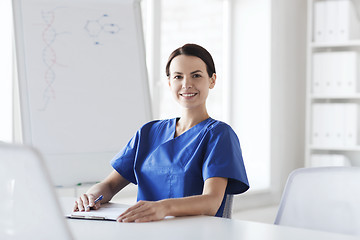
(49, 35)
(98, 27)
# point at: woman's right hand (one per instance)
(85, 202)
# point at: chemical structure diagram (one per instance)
(49, 36)
(96, 28)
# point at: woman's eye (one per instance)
(178, 77)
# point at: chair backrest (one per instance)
(228, 206)
(29, 208)
(324, 198)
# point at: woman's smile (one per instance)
(188, 95)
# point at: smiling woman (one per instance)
(182, 166)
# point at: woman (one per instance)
(182, 166)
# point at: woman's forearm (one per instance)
(206, 204)
(101, 189)
(194, 205)
(109, 186)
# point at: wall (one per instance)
(287, 71)
(5, 71)
(288, 75)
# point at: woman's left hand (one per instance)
(144, 211)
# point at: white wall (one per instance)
(5, 71)
(287, 72)
(288, 75)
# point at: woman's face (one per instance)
(189, 81)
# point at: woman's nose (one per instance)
(186, 83)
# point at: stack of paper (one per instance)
(335, 73)
(335, 125)
(322, 160)
(335, 21)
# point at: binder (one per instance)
(347, 76)
(323, 160)
(319, 21)
(331, 20)
(347, 21)
(319, 70)
(318, 135)
(351, 128)
(335, 21)
(322, 75)
(336, 117)
(335, 73)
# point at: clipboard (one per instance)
(107, 212)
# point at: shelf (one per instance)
(351, 43)
(322, 148)
(345, 96)
(314, 98)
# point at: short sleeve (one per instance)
(223, 158)
(123, 162)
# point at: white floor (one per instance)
(263, 214)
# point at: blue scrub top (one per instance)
(166, 167)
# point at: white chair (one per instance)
(324, 198)
(29, 207)
(228, 206)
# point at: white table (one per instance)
(198, 227)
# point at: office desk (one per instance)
(197, 227)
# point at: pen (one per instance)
(96, 200)
(99, 198)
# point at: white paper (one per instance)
(104, 213)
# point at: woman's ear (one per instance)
(212, 81)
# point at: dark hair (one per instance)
(196, 51)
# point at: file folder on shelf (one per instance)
(335, 21)
(335, 125)
(335, 73)
(323, 160)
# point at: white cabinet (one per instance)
(333, 83)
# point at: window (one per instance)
(170, 24)
(190, 21)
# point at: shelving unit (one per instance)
(350, 152)
(347, 44)
(355, 96)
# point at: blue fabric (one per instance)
(166, 167)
